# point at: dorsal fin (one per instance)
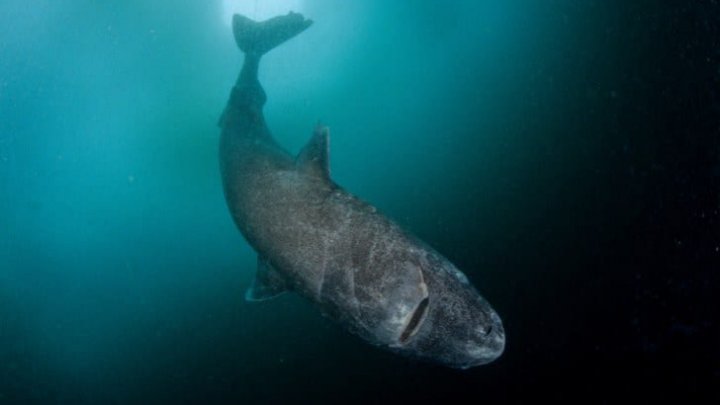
(314, 158)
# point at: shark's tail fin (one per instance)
(260, 37)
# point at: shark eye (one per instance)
(414, 323)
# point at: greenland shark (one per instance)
(316, 239)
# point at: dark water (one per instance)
(564, 154)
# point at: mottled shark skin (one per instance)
(316, 239)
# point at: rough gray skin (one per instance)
(316, 239)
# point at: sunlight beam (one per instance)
(259, 9)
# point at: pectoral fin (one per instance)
(268, 283)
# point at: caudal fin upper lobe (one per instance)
(260, 37)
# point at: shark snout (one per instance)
(488, 345)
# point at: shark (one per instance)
(314, 238)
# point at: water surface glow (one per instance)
(259, 9)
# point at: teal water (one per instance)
(560, 153)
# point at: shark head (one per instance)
(451, 324)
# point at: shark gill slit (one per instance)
(414, 323)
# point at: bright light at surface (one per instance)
(259, 9)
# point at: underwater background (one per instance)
(565, 154)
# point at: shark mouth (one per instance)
(415, 320)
